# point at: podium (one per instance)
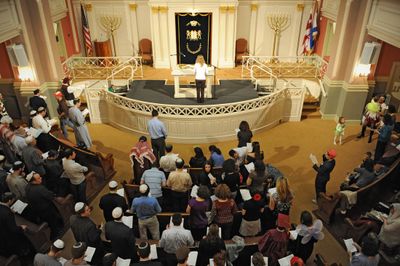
(188, 71)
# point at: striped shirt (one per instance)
(154, 179)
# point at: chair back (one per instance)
(241, 46)
(131, 191)
(145, 46)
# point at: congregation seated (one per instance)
(388, 235)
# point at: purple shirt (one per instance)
(198, 217)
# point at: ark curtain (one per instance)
(193, 37)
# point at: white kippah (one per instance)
(6, 120)
(59, 244)
(33, 112)
(2, 158)
(30, 176)
(117, 213)
(113, 184)
(79, 206)
(143, 188)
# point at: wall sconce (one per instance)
(25, 73)
(363, 70)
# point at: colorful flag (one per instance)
(311, 33)
(86, 34)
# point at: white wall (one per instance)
(243, 18)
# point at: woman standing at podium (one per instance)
(200, 73)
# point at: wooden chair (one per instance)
(38, 234)
(145, 51)
(131, 191)
(241, 50)
(65, 207)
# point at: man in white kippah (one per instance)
(32, 157)
(121, 236)
(111, 200)
(51, 258)
(85, 230)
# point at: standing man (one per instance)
(75, 172)
(180, 183)
(158, 134)
(37, 101)
(323, 173)
(67, 92)
(80, 128)
(110, 201)
(62, 111)
(155, 179)
(122, 237)
(16, 181)
(51, 258)
(32, 157)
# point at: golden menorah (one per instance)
(278, 23)
(111, 23)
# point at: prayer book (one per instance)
(153, 252)
(19, 206)
(62, 260)
(122, 262)
(294, 234)
(192, 258)
(85, 112)
(272, 190)
(245, 194)
(313, 159)
(250, 167)
(285, 261)
(193, 193)
(349, 245)
(89, 253)
(121, 192)
(45, 155)
(249, 147)
(128, 221)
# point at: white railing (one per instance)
(287, 66)
(84, 68)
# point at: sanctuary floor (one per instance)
(287, 146)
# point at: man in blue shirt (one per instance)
(158, 134)
(385, 133)
(155, 179)
(146, 209)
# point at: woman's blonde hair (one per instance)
(200, 59)
(282, 188)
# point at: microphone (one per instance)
(182, 54)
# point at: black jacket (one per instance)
(36, 101)
(122, 240)
(110, 201)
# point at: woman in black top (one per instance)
(252, 210)
(230, 177)
(198, 160)
(206, 178)
(244, 135)
(210, 245)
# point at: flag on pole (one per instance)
(311, 33)
(86, 33)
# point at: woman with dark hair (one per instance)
(216, 157)
(258, 177)
(197, 207)
(230, 177)
(198, 160)
(252, 210)
(255, 154)
(210, 245)
(309, 233)
(206, 178)
(368, 253)
(244, 135)
(385, 133)
(223, 209)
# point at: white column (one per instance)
(222, 33)
(230, 37)
(253, 27)
(134, 28)
(159, 33)
(164, 36)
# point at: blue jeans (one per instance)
(63, 123)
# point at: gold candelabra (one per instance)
(278, 23)
(111, 23)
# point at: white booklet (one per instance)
(121, 192)
(122, 262)
(19, 206)
(250, 167)
(192, 258)
(85, 112)
(349, 245)
(272, 190)
(153, 252)
(313, 159)
(128, 221)
(62, 260)
(285, 261)
(294, 234)
(193, 193)
(89, 253)
(265, 260)
(249, 147)
(45, 155)
(245, 194)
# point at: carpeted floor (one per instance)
(287, 146)
(156, 91)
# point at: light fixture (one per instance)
(363, 70)
(25, 73)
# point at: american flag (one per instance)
(86, 34)
(311, 33)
